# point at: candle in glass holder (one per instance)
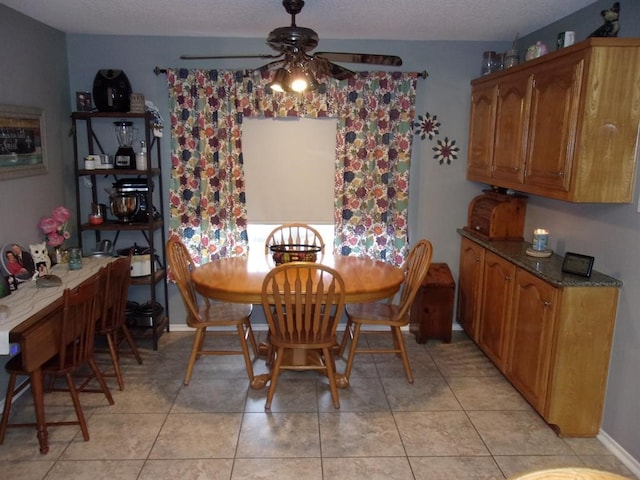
(540, 239)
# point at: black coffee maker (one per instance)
(139, 188)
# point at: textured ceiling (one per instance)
(482, 20)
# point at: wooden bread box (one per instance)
(497, 216)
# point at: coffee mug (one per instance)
(90, 162)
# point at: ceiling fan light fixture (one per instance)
(280, 81)
(301, 80)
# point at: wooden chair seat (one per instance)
(567, 474)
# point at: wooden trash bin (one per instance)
(432, 310)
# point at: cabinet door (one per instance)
(553, 124)
(530, 345)
(470, 286)
(496, 308)
(481, 129)
(512, 122)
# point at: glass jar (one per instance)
(511, 58)
(75, 258)
(488, 62)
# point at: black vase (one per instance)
(111, 90)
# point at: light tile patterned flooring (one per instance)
(459, 420)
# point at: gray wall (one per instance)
(611, 234)
(35, 74)
(439, 195)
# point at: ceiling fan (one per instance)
(293, 62)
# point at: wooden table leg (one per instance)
(37, 390)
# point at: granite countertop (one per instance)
(548, 269)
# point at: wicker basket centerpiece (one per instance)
(285, 253)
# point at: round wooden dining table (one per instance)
(239, 279)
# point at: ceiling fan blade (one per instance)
(325, 67)
(208, 57)
(268, 66)
(369, 58)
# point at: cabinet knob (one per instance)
(507, 278)
(547, 303)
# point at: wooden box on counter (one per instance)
(432, 310)
(497, 216)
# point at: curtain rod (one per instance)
(422, 74)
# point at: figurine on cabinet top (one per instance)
(611, 22)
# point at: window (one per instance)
(289, 169)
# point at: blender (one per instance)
(125, 156)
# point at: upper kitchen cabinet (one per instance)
(562, 126)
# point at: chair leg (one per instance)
(197, 345)
(352, 350)
(113, 351)
(275, 372)
(399, 340)
(331, 375)
(7, 406)
(347, 335)
(101, 381)
(132, 343)
(245, 352)
(203, 334)
(78, 408)
(251, 337)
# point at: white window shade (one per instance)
(289, 168)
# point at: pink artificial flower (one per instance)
(60, 215)
(55, 240)
(48, 225)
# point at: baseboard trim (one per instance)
(622, 455)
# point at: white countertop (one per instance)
(28, 299)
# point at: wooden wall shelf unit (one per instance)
(99, 131)
(548, 332)
(563, 126)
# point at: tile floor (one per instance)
(459, 420)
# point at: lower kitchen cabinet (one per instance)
(530, 336)
(495, 308)
(548, 332)
(470, 286)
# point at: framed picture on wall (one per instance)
(22, 146)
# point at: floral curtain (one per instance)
(207, 191)
(373, 151)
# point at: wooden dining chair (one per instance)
(209, 317)
(294, 234)
(74, 338)
(303, 303)
(112, 319)
(389, 314)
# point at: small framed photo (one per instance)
(17, 262)
(577, 264)
(83, 102)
